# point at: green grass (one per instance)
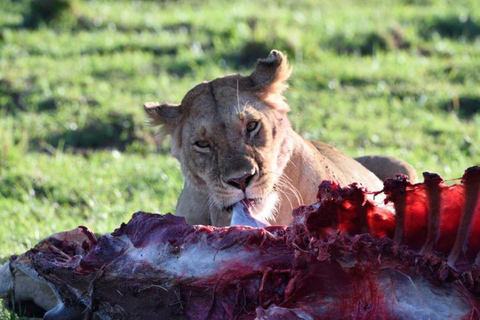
(371, 77)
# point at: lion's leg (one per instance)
(387, 167)
(193, 206)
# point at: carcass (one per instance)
(344, 256)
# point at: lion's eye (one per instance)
(202, 144)
(252, 126)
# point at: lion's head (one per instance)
(230, 134)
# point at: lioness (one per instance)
(237, 148)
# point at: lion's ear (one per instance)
(163, 113)
(271, 74)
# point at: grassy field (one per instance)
(371, 77)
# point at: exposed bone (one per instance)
(433, 182)
(457, 258)
(396, 191)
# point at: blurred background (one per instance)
(396, 78)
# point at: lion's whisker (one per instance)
(289, 159)
(284, 184)
(293, 189)
(286, 196)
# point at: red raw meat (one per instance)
(342, 257)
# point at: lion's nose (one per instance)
(242, 181)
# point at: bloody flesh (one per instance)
(341, 257)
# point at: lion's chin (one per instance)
(254, 212)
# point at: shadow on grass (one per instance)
(122, 48)
(461, 73)
(466, 107)
(251, 51)
(405, 91)
(368, 43)
(155, 50)
(52, 13)
(453, 27)
(25, 309)
(14, 100)
(17, 185)
(248, 54)
(354, 81)
(182, 27)
(48, 104)
(182, 66)
(11, 99)
(115, 131)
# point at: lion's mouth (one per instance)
(243, 214)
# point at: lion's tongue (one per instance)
(242, 215)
